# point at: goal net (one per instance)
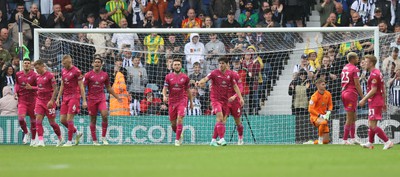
(277, 68)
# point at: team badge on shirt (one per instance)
(374, 81)
(311, 102)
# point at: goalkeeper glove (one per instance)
(321, 116)
(327, 115)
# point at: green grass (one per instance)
(202, 161)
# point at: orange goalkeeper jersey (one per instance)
(319, 104)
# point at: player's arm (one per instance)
(53, 97)
(384, 96)
(370, 94)
(111, 91)
(190, 98)
(59, 92)
(202, 82)
(83, 94)
(358, 87)
(312, 108)
(330, 103)
(164, 93)
(237, 90)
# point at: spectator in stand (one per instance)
(149, 20)
(8, 43)
(394, 93)
(342, 16)
(194, 51)
(325, 9)
(130, 40)
(82, 9)
(90, 22)
(397, 28)
(294, 13)
(387, 9)
(4, 54)
(57, 19)
(264, 5)
(346, 47)
(103, 15)
(127, 59)
(35, 17)
(219, 9)
(197, 109)
(377, 18)
(151, 105)
(305, 65)
(240, 43)
(100, 40)
(253, 66)
(179, 10)
(314, 57)
(330, 21)
(364, 8)
(7, 77)
(300, 90)
(8, 104)
(135, 8)
(3, 20)
(26, 31)
(137, 76)
(214, 49)
(230, 21)
(45, 53)
(117, 10)
(383, 27)
(158, 7)
(356, 20)
(248, 17)
(208, 22)
(389, 61)
(277, 10)
(168, 19)
(197, 76)
(268, 22)
(20, 11)
(172, 47)
(192, 21)
(154, 44)
(196, 5)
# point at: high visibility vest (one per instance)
(119, 87)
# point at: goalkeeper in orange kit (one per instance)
(320, 108)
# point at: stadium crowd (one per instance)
(145, 59)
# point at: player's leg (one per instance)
(236, 113)
(31, 114)
(73, 108)
(349, 100)
(172, 117)
(51, 116)
(181, 111)
(350, 116)
(104, 124)
(221, 128)
(39, 128)
(92, 110)
(323, 131)
(22, 110)
(217, 109)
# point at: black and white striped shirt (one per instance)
(364, 9)
(394, 93)
(196, 111)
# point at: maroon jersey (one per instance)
(349, 73)
(70, 78)
(220, 84)
(27, 95)
(177, 85)
(376, 80)
(96, 83)
(45, 86)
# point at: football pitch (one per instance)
(199, 160)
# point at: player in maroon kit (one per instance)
(96, 80)
(351, 89)
(45, 102)
(220, 78)
(376, 104)
(25, 82)
(177, 84)
(72, 90)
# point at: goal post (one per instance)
(270, 115)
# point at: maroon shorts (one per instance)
(176, 110)
(70, 106)
(349, 100)
(235, 109)
(375, 113)
(219, 106)
(26, 108)
(94, 106)
(41, 109)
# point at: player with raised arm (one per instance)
(95, 81)
(25, 89)
(72, 90)
(45, 102)
(351, 89)
(220, 80)
(320, 108)
(177, 84)
(234, 107)
(376, 104)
